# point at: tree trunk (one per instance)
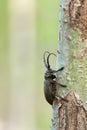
(72, 54)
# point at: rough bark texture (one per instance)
(72, 45)
(71, 115)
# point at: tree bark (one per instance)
(72, 54)
(71, 115)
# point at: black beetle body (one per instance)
(50, 81)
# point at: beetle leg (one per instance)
(55, 71)
(57, 97)
(61, 84)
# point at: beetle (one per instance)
(50, 82)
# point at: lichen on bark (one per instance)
(72, 46)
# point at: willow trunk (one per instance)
(72, 54)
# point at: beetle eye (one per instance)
(52, 76)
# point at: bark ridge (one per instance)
(71, 115)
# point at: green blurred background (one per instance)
(46, 35)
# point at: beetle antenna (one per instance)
(45, 59)
(48, 59)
